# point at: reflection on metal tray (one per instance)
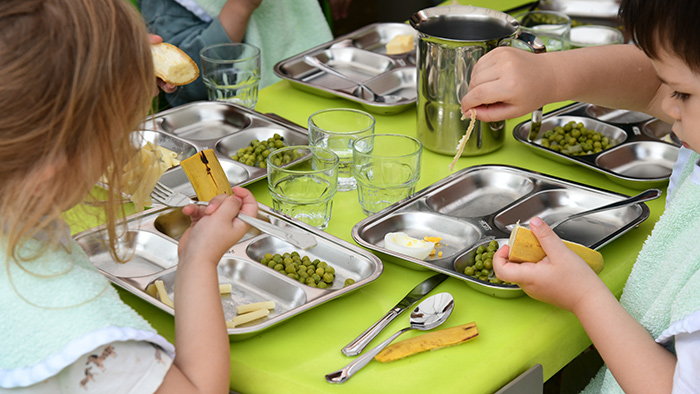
(480, 203)
(361, 56)
(644, 147)
(223, 127)
(152, 236)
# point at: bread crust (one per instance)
(172, 65)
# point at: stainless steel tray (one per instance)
(642, 157)
(153, 235)
(361, 56)
(480, 204)
(223, 127)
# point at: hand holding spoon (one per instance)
(428, 314)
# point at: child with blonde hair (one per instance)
(650, 339)
(76, 79)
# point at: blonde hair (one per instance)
(76, 78)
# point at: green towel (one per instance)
(664, 285)
(57, 308)
(280, 28)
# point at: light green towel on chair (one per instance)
(664, 285)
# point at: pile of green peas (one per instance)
(481, 265)
(314, 273)
(255, 154)
(575, 140)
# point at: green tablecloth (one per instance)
(515, 334)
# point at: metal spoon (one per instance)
(387, 98)
(428, 314)
(646, 195)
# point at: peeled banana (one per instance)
(524, 246)
(206, 175)
(430, 341)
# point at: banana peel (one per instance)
(430, 341)
(206, 175)
(524, 246)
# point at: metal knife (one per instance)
(358, 344)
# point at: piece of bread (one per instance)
(173, 65)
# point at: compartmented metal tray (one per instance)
(361, 56)
(644, 147)
(152, 236)
(223, 127)
(482, 203)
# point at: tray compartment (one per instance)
(173, 223)
(398, 82)
(480, 193)
(228, 146)
(456, 235)
(615, 134)
(376, 38)
(660, 130)
(151, 253)
(205, 121)
(553, 205)
(346, 266)
(182, 149)
(616, 115)
(641, 160)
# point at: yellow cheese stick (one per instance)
(225, 288)
(163, 294)
(429, 341)
(206, 175)
(247, 317)
(255, 306)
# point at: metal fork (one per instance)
(167, 196)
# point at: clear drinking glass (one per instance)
(387, 168)
(231, 72)
(302, 181)
(552, 27)
(336, 129)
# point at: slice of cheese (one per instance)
(255, 306)
(400, 44)
(172, 65)
(204, 171)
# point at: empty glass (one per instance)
(553, 28)
(336, 129)
(387, 168)
(231, 73)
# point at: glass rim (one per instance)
(255, 55)
(332, 159)
(418, 151)
(357, 111)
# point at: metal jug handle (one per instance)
(536, 46)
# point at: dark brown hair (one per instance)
(664, 25)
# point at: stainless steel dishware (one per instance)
(358, 344)
(643, 152)
(451, 39)
(427, 315)
(151, 239)
(166, 196)
(477, 205)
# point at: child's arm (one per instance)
(234, 17)
(638, 363)
(513, 82)
(202, 362)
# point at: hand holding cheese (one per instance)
(173, 65)
(564, 278)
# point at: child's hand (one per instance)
(166, 87)
(507, 83)
(562, 278)
(215, 228)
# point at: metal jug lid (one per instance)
(464, 23)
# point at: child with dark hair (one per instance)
(650, 339)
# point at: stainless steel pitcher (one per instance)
(450, 41)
